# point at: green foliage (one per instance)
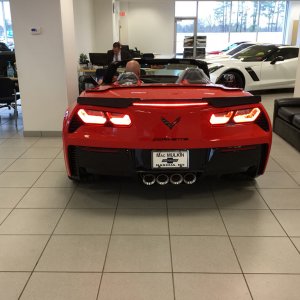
(83, 58)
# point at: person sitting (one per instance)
(117, 53)
(134, 67)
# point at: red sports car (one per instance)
(170, 126)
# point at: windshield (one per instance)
(155, 71)
(255, 53)
(239, 48)
(230, 46)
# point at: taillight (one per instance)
(99, 117)
(238, 116)
(246, 115)
(119, 119)
(221, 118)
(92, 116)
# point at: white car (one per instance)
(227, 54)
(258, 67)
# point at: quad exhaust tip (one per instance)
(189, 178)
(148, 179)
(163, 179)
(176, 179)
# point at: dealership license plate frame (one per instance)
(183, 162)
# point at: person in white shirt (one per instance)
(117, 53)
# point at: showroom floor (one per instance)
(117, 239)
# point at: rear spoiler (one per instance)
(126, 102)
(232, 101)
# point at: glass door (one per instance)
(185, 28)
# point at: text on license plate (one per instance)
(164, 159)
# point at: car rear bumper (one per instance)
(130, 162)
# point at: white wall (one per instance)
(103, 10)
(123, 22)
(42, 69)
(84, 17)
(116, 22)
(297, 82)
(69, 51)
(293, 14)
(151, 26)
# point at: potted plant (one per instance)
(83, 59)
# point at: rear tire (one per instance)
(232, 79)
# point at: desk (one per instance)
(87, 71)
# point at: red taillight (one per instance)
(92, 116)
(246, 115)
(119, 119)
(221, 118)
(238, 116)
(99, 117)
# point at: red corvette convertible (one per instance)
(170, 126)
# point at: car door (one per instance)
(281, 74)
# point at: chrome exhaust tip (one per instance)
(176, 178)
(162, 179)
(148, 179)
(189, 178)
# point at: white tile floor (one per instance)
(218, 239)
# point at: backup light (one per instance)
(119, 119)
(92, 116)
(221, 118)
(246, 115)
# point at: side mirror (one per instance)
(278, 58)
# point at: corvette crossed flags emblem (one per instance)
(169, 124)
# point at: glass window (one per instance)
(244, 16)
(231, 21)
(271, 21)
(6, 32)
(255, 53)
(185, 8)
(286, 53)
(213, 21)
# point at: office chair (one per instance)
(9, 96)
(147, 56)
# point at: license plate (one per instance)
(170, 159)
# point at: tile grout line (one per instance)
(170, 245)
(288, 172)
(236, 256)
(287, 235)
(109, 239)
(50, 236)
(283, 168)
(147, 272)
(28, 188)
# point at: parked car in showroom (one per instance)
(258, 67)
(228, 54)
(170, 126)
(227, 48)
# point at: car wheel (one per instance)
(232, 79)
